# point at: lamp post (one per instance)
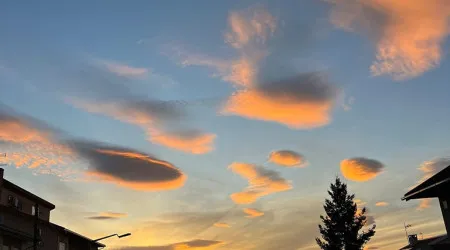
(120, 236)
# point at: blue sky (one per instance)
(178, 53)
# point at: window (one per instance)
(33, 210)
(444, 204)
(62, 246)
(10, 200)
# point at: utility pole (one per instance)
(36, 228)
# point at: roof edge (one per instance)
(408, 197)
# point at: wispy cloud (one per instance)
(261, 182)
(361, 169)
(408, 35)
(287, 158)
(382, 204)
(249, 25)
(124, 70)
(424, 204)
(222, 225)
(187, 245)
(299, 100)
(252, 213)
(430, 168)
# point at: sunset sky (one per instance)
(220, 124)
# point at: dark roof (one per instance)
(433, 187)
(31, 196)
(50, 224)
(437, 240)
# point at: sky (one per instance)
(221, 124)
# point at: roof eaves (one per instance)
(408, 196)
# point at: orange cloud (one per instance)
(408, 34)
(252, 213)
(287, 158)
(16, 131)
(430, 168)
(195, 143)
(261, 182)
(381, 204)
(361, 169)
(31, 145)
(222, 225)
(359, 202)
(302, 102)
(424, 204)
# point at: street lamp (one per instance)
(120, 236)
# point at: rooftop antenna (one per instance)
(406, 231)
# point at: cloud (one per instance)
(128, 168)
(250, 25)
(430, 168)
(424, 204)
(252, 213)
(359, 202)
(125, 70)
(30, 143)
(301, 102)
(408, 35)
(222, 225)
(381, 204)
(369, 218)
(149, 115)
(287, 158)
(266, 90)
(261, 182)
(361, 169)
(240, 71)
(192, 141)
(108, 216)
(194, 245)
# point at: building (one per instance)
(20, 211)
(437, 186)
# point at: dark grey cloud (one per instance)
(309, 87)
(100, 217)
(128, 167)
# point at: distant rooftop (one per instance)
(433, 241)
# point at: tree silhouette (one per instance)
(343, 221)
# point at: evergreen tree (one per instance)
(343, 221)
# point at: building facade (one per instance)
(24, 215)
(437, 186)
